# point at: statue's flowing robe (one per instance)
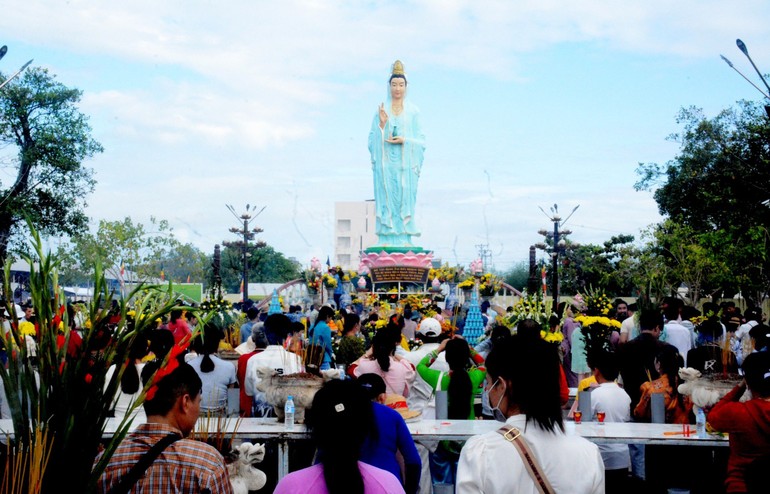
(396, 169)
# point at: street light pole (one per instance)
(555, 254)
(247, 234)
(558, 246)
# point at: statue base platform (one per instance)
(402, 265)
(391, 249)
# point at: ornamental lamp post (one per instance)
(247, 234)
(555, 244)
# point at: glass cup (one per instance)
(578, 415)
(600, 417)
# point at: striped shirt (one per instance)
(186, 466)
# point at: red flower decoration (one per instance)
(172, 363)
(89, 378)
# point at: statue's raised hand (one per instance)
(383, 115)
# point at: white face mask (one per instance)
(496, 412)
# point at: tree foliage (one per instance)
(517, 276)
(266, 265)
(48, 139)
(715, 194)
(607, 266)
(121, 243)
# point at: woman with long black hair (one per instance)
(217, 375)
(398, 373)
(340, 420)
(460, 383)
(523, 385)
(677, 406)
(130, 385)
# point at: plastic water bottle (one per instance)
(288, 412)
(700, 422)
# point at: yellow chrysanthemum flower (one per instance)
(26, 328)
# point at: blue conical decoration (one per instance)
(275, 305)
(474, 324)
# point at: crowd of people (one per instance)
(512, 376)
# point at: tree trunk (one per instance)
(6, 223)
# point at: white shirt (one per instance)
(680, 337)
(274, 357)
(420, 393)
(615, 402)
(489, 464)
(123, 401)
(629, 326)
(744, 329)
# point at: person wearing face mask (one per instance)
(530, 408)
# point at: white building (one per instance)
(354, 224)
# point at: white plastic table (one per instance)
(268, 429)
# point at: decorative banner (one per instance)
(399, 273)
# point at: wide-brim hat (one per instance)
(19, 312)
(398, 403)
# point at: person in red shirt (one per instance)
(178, 326)
(749, 426)
(246, 401)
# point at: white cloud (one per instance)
(226, 100)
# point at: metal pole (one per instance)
(742, 47)
(555, 274)
(245, 250)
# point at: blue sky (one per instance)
(525, 104)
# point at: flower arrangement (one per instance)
(597, 303)
(371, 299)
(467, 284)
(595, 324)
(47, 401)
(447, 326)
(447, 274)
(413, 344)
(217, 305)
(413, 300)
(489, 284)
(312, 280)
(26, 328)
(329, 281)
(531, 307)
(349, 275)
(555, 336)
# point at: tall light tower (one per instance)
(247, 234)
(555, 244)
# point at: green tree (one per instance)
(266, 265)
(689, 260)
(40, 119)
(182, 261)
(119, 243)
(605, 266)
(518, 275)
(717, 187)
